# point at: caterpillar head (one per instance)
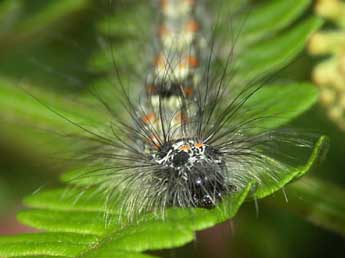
(194, 173)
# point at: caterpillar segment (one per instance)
(195, 168)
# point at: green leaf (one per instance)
(49, 244)
(278, 104)
(264, 44)
(270, 55)
(9, 11)
(271, 17)
(24, 23)
(73, 212)
(66, 221)
(86, 233)
(54, 12)
(47, 118)
(285, 177)
(122, 54)
(23, 102)
(125, 42)
(258, 20)
(315, 200)
(67, 200)
(132, 14)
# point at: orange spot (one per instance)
(151, 89)
(192, 61)
(164, 3)
(192, 26)
(160, 60)
(190, 2)
(184, 148)
(153, 141)
(149, 118)
(163, 30)
(181, 118)
(188, 91)
(199, 145)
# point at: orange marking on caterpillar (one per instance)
(163, 3)
(151, 89)
(153, 141)
(192, 61)
(190, 2)
(188, 91)
(184, 148)
(160, 60)
(163, 30)
(149, 118)
(181, 117)
(199, 145)
(192, 26)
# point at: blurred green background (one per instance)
(46, 48)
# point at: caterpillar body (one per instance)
(189, 141)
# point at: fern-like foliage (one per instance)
(77, 224)
(21, 21)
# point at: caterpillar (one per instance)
(188, 140)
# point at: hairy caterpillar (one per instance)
(189, 139)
